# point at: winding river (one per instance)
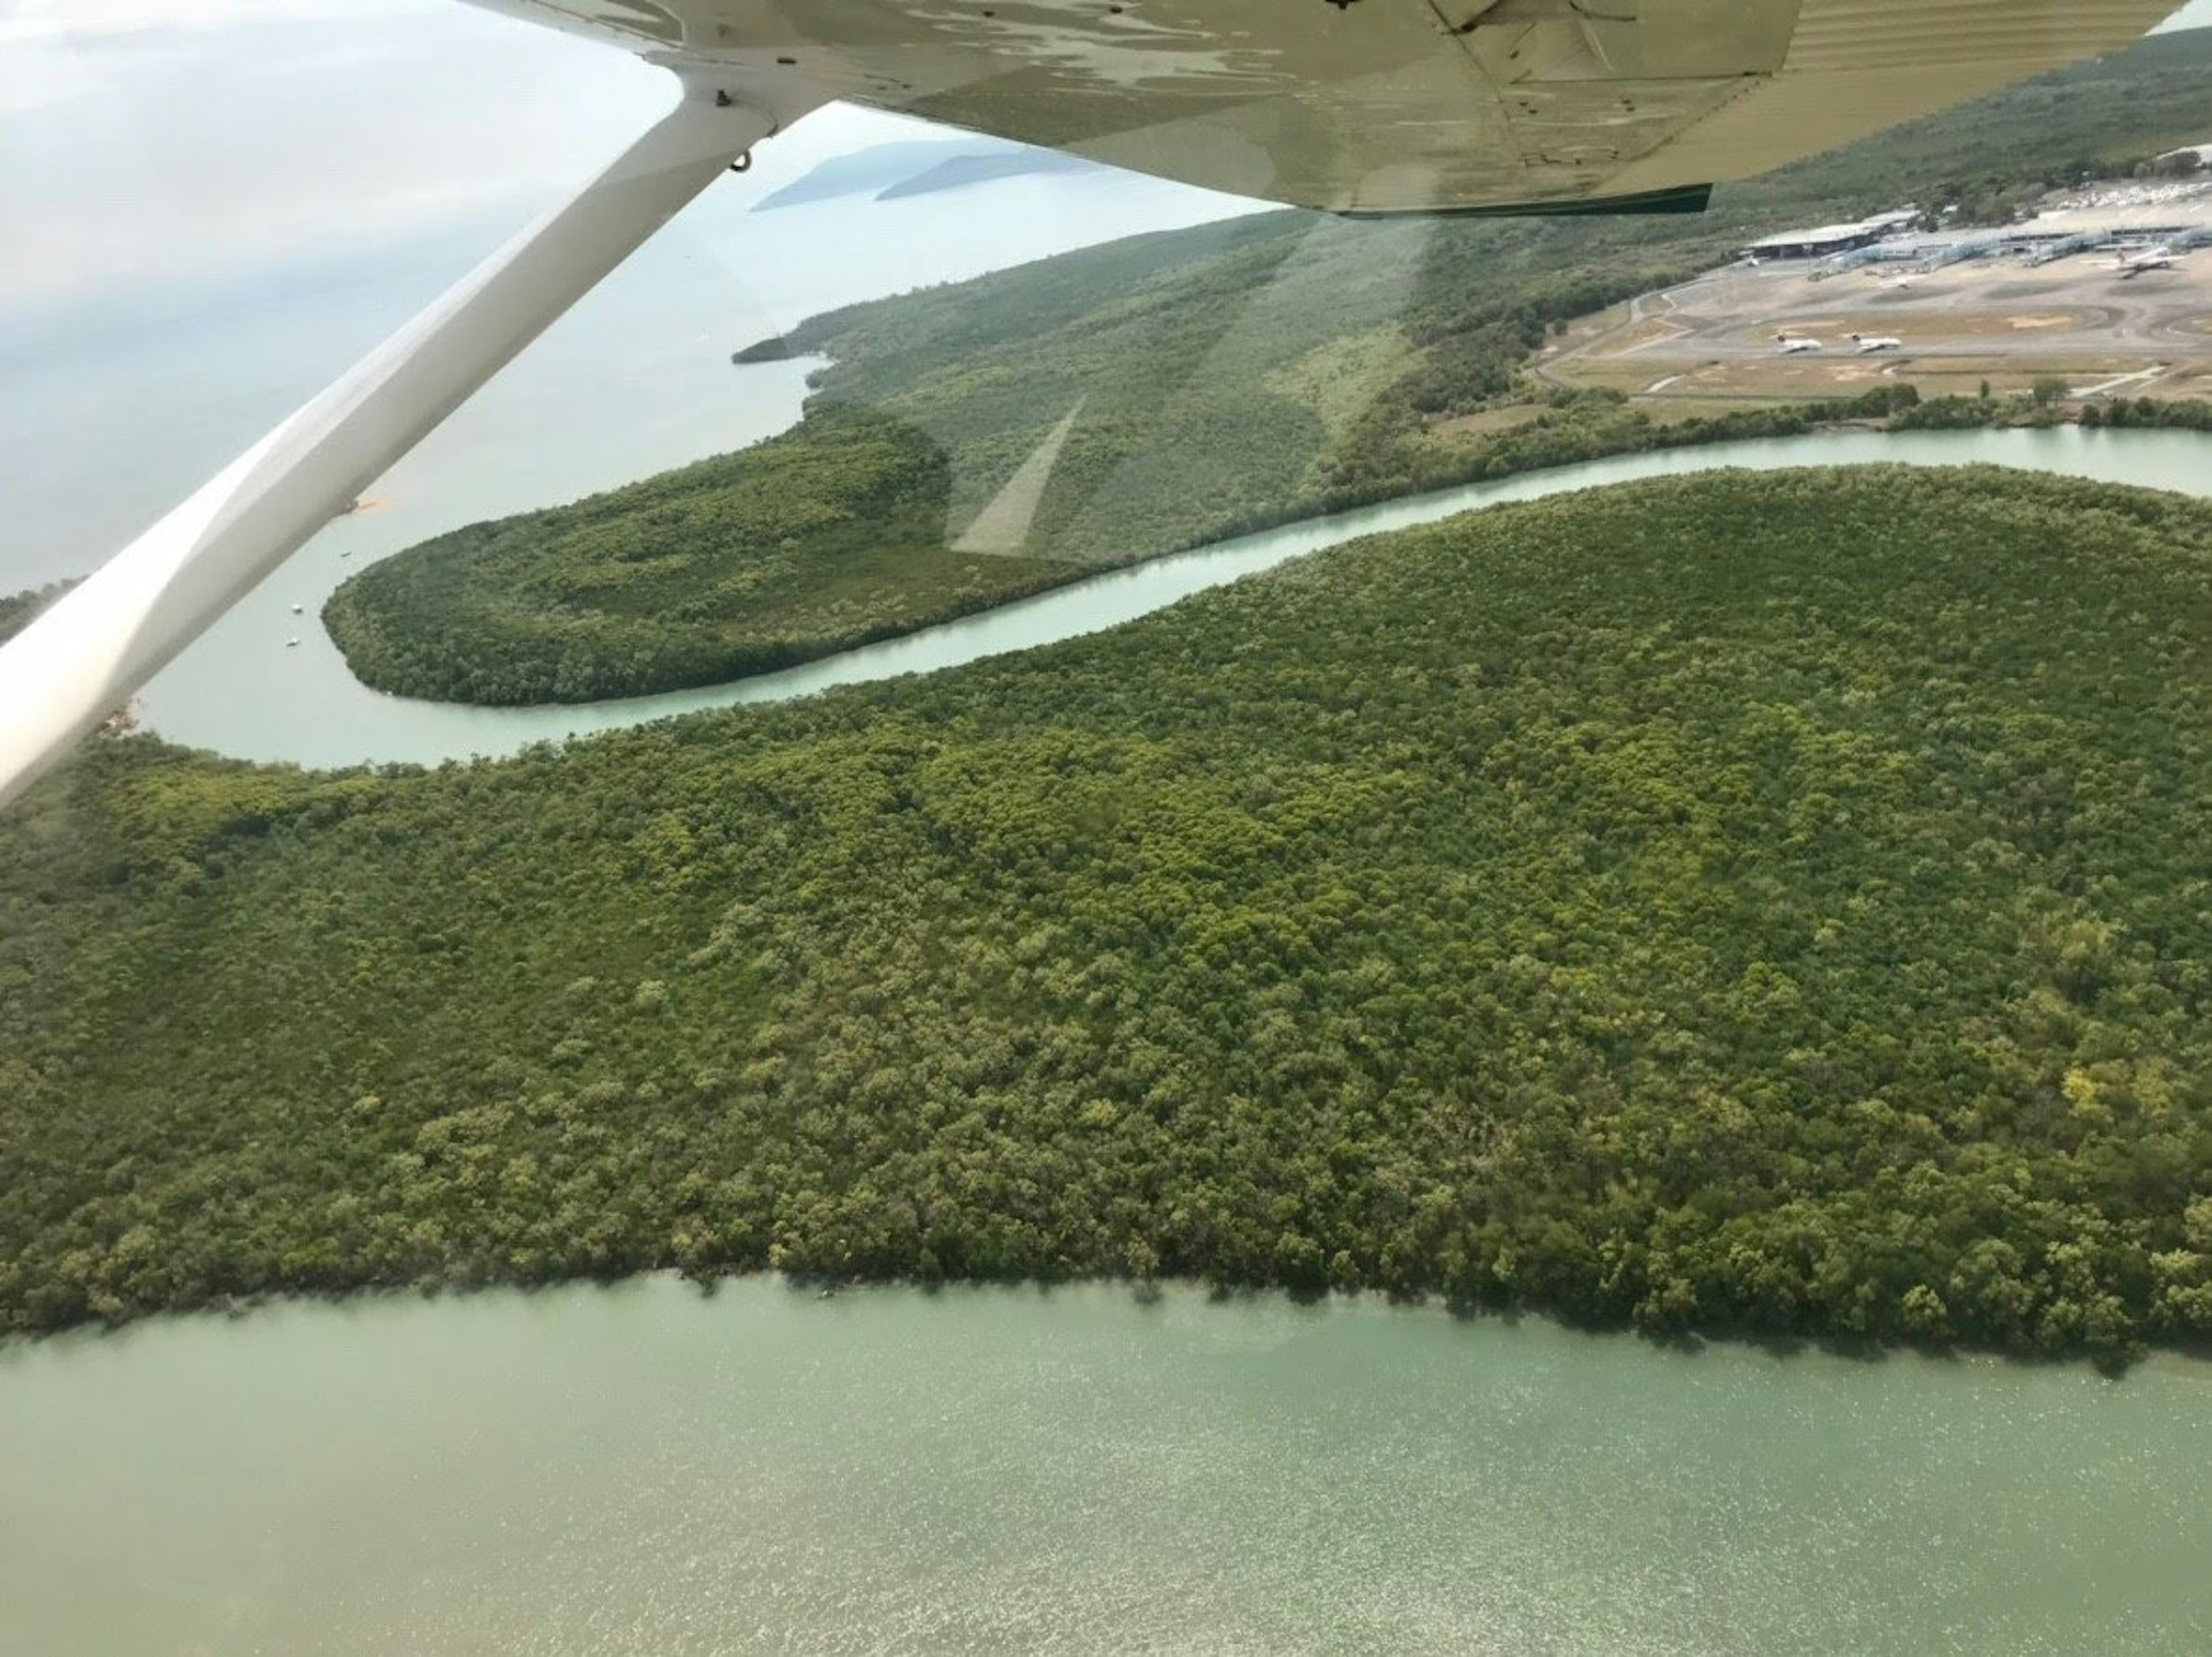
(645, 1469)
(242, 691)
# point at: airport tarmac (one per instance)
(1998, 320)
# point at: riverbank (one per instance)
(610, 598)
(220, 697)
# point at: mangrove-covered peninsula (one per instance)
(970, 444)
(1770, 902)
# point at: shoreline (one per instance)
(1781, 1346)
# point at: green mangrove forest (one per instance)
(1761, 902)
(973, 443)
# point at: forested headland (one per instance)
(1768, 902)
(19, 609)
(811, 543)
(1154, 394)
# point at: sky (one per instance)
(145, 140)
(152, 141)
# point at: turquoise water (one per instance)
(641, 1469)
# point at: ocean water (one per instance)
(113, 411)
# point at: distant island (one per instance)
(923, 167)
(959, 172)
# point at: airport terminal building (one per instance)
(1826, 240)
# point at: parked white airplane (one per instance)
(1792, 343)
(1375, 108)
(1877, 342)
(2160, 257)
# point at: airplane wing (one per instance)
(1389, 106)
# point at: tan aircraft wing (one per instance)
(1386, 105)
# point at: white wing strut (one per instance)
(87, 655)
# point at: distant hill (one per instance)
(961, 171)
(920, 167)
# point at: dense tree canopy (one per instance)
(1772, 902)
(813, 542)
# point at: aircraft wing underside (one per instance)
(1383, 105)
